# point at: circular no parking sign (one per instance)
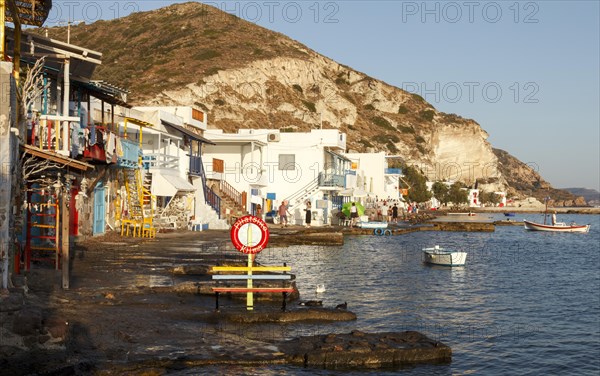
(249, 234)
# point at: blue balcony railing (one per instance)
(130, 154)
(393, 171)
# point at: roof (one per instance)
(83, 61)
(187, 132)
(58, 158)
(29, 12)
(99, 92)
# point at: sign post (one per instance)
(249, 235)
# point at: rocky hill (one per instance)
(592, 196)
(523, 179)
(249, 77)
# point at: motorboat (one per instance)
(509, 214)
(444, 257)
(557, 227)
(372, 224)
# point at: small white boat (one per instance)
(372, 224)
(558, 227)
(469, 214)
(444, 257)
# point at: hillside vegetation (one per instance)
(249, 77)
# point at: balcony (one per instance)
(160, 161)
(393, 171)
(130, 154)
(331, 180)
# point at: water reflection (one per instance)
(521, 295)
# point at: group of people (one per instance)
(387, 211)
(283, 212)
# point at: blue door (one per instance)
(99, 210)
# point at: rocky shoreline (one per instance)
(135, 305)
(140, 304)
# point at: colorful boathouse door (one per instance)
(99, 210)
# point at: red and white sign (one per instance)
(249, 235)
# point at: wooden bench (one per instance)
(249, 278)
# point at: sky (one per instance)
(527, 71)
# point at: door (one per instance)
(74, 214)
(99, 210)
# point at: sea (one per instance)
(525, 303)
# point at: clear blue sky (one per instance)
(527, 71)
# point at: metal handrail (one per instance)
(228, 190)
(308, 187)
(213, 200)
(159, 160)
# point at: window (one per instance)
(287, 161)
(197, 115)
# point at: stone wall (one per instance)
(7, 121)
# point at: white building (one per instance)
(268, 166)
(374, 177)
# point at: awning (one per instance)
(83, 61)
(187, 132)
(28, 12)
(168, 185)
(98, 92)
(57, 158)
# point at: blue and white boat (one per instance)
(444, 257)
(372, 224)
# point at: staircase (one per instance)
(233, 203)
(42, 242)
(304, 193)
(139, 216)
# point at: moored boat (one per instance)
(509, 214)
(372, 224)
(444, 257)
(558, 227)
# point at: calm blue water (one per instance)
(526, 303)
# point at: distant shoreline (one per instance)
(524, 209)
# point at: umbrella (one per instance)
(353, 192)
(346, 208)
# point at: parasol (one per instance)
(346, 208)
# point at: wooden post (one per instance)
(2, 29)
(250, 296)
(64, 237)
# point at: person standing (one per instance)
(395, 213)
(283, 212)
(308, 217)
(353, 214)
(259, 211)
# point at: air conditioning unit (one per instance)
(273, 137)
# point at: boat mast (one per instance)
(546, 211)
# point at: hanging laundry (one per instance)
(109, 148)
(119, 148)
